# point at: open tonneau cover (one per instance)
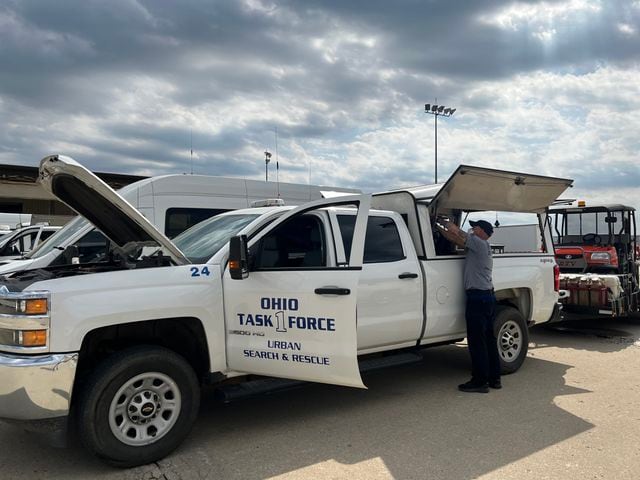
(480, 189)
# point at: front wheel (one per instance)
(512, 337)
(138, 406)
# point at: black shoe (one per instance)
(475, 387)
(495, 384)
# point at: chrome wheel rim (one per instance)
(145, 409)
(509, 341)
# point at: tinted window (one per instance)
(177, 220)
(298, 243)
(381, 243)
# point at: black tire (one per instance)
(512, 336)
(156, 382)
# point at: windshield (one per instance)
(203, 240)
(60, 238)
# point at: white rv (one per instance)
(172, 203)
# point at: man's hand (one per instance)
(451, 231)
(442, 221)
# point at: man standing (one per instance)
(480, 309)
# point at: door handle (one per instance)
(408, 275)
(332, 291)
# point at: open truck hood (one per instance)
(480, 189)
(85, 193)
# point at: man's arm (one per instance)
(452, 232)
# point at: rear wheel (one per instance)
(138, 406)
(512, 337)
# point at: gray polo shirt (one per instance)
(478, 264)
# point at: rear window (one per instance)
(382, 241)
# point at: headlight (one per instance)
(27, 306)
(604, 256)
(23, 338)
(24, 321)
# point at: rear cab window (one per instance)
(382, 241)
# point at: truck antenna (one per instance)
(191, 150)
(277, 164)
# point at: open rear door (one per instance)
(295, 315)
(481, 189)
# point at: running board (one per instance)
(237, 391)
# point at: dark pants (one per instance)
(483, 349)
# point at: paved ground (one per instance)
(572, 411)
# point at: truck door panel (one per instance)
(295, 315)
(390, 291)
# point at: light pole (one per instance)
(438, 111)
(267, 159)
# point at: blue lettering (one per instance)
(331, 324)
(284, 345)
(311, 359)
(312, 323)
(261, 354)
(263, 321)
(279, 303)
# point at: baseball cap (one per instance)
(484, 225)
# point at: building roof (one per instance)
(25, 174)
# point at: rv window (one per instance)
(382, 241)
(180, 219)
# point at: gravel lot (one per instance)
(572, 411)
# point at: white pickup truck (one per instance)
(120, 348)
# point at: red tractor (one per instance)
(597, 251)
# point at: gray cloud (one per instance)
(125, 85)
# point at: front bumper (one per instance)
(36, 387)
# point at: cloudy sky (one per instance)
(126, 86)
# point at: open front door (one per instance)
(295, 315)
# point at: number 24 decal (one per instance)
(196, 272)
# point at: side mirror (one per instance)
(238, 255)
(610, 220)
